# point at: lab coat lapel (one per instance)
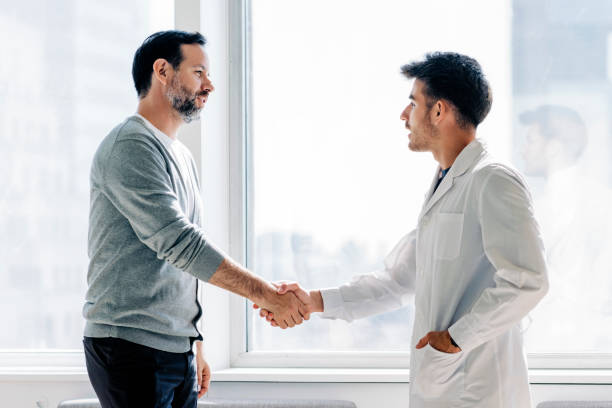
(471, 153)
(442, 189)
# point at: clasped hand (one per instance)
(310, 302)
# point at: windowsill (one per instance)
(307, 375)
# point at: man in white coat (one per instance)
(475, 261)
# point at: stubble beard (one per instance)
(416, 143)
(183, 101)
(420, 138)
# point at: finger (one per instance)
(206, 385)
(199, 374)
(297, 318)
(290, 322)
(273, 323)
(270, 317)
(201, 392)
(304, 310)
(304, 313)
(282, 324)
(206, 382)
(423, 342)
(263, 313)
(203, 388)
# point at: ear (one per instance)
(439, 110)
(161, 67)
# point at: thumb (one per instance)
(302, 295)
(288, 286)
(423, 342)
(282, 289)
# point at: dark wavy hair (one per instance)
(163, 44)
(456, 78)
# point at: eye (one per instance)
(199, 74)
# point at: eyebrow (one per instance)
(200, 66)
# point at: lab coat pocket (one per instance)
(440, 375)
(449, 230)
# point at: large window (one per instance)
(334, 185)
(65, 83)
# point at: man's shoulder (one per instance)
(491, 168)
(129, 135)
(133, 128)
(128, 139)
(130, 129)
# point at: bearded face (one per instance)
(184, 101)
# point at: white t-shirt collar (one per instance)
(166, 140)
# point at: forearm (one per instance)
(364, 296)
(236, 279)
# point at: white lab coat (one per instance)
(476, 266)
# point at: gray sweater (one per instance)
(146, 248)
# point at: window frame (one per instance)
(242, 239)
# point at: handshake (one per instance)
(290, 305)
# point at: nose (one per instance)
(207, 85)
(405, 113)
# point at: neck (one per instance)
(161, 115)
(451, 144)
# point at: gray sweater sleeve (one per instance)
(138, 184)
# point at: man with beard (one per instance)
(475, 262)
(146, 247)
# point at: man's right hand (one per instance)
(312, 301)
(286, 308)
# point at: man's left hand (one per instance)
(440, 340)
(202, 371)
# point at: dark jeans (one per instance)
(129, 375)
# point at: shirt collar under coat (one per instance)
(464, 161)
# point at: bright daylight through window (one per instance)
(67, 85)
(334, 185)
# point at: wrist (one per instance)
(450, 339)
(266, 296)
(317, 301)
